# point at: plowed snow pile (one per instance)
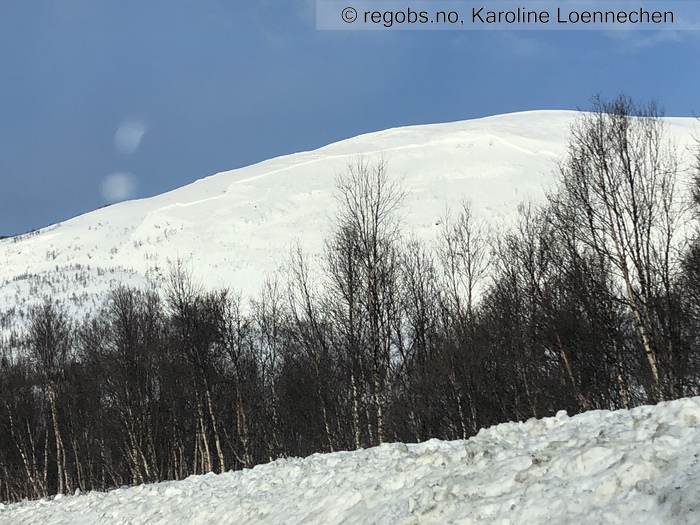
(633, 467)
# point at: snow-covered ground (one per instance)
(234, 229)
(626, 467)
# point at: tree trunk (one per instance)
(63, 480)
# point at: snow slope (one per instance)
(234, 228)
(626, 467)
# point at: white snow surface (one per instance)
(234, 229)
(626, 467)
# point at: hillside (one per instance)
(234, 228)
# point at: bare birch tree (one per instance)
(364, 269)
(618, 191)
(49, 344)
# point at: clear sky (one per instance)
(106, 99)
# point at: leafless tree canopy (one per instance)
(618, 201)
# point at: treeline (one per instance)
(591, 301)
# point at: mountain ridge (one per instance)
(234, 227)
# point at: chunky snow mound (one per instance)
(627, 467)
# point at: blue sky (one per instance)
(198, 87)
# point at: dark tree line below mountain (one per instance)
(591, 302)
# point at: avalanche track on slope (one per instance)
(626, 467)
(234, 228)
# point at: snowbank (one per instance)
(626, 467)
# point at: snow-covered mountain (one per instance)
(626, 467)
(234, 228)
